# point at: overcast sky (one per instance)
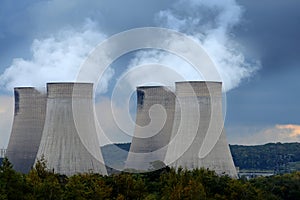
(255, 45)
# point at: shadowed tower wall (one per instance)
(198, 136)
(69, 143)
(154, 122)
(28, 124)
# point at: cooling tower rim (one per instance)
(28, 90)
(69, 83)
(23, 88)
(208, 82)
(169, 88)
(151, 86)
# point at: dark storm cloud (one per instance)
(23, 21)
(40, 17)
(271, 29)
(270, 99)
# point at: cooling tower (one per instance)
(28, 124)
(198, 137)
(154, 122)
(69, 142)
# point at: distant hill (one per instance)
(270, 156)
(265, 157)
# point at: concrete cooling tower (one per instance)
(28, 124)
(69, 142)
(154, 122)
(198, 137)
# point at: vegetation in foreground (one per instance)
(166, 183)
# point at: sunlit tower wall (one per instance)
(28, 124)
(69, 142)
(199, 127)
(154, 122)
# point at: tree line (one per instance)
(271, 156)
(166, 183)
(265, 157)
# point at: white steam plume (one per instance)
(56, 58)
(209, 22)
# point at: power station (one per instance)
(69, 141)
(28, 124)
(184, 128)
(154, 122)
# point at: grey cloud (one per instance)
(56, 58)
(272, 29)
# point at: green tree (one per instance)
(285, 186)
(182, 185)
(42, 183)
(11, 182)
(129, 186)
(87, 186)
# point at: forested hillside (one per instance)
(265, 157)
(259, 157)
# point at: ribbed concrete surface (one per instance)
(28, 124)
(198, 125)
(69, 142)
(154, 122)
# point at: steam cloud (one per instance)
(209, 22)
(56, 58)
